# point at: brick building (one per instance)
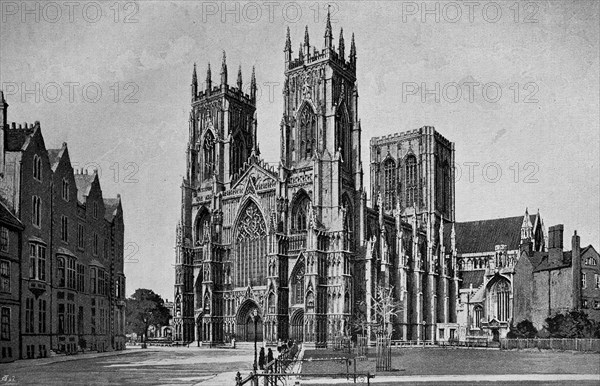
(71, 250)
(10, 266)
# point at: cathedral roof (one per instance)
(474, 278)
(484, 235)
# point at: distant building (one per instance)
(556, 280)
(487, 251)
(71, 284)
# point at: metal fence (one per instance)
(551, 344)
(384, 354)
(362, 346)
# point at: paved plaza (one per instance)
(215, 367)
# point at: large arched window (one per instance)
(342, 135)
(238, 154)
(389, 184)
(411, 180)
(500, 300)
(306, 134)
(209, 155)
(297, 284)
(300, 214)
(251, 248)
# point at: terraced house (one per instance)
(69, 283)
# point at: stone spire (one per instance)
(194, 82)
(208, 78)
(239, 78)
(224, 70)
(341, 45)
(301, 53)
(328, 33)
(352, 50)
(288, 41)
(253, 85)
(306, 39)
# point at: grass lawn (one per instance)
(439, 361)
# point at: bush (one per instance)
(524, 330)
(574, 324)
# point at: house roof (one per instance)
(551, 261)
(111, 205)
(54, 156)
(8, 219)
(484, 235)
(16, 138)
(84, 184)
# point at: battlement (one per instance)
(229, 91)
(317, 56)
(25, 127)
(425, 130)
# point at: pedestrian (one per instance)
(269, 359)
(261, 358)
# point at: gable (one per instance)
(260, 177)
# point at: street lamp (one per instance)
(145, 332)
(255, 319)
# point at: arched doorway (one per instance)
(297, 325)
(249, 323)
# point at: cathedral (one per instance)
(297, 251)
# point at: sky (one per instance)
(515, 85)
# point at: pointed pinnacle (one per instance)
(288, 41)
(352, 47)
(253, 78)
(224, 64)
(194, 76)
(239, 78)
(306, 40)
(328, 26)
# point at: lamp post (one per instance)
(145, 332)
(424, 330)
(255, 319)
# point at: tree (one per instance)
(524, 329)
(145, 308)
(574, 324)
(385, 308)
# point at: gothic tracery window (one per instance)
(500, 295)
(300, 215)
(306, 134)
(389, 184)
(209, 155)
(342, 136)
(411, 180)
(251, 248)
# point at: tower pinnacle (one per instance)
(239, 78)
(208, 78)
(352, 50)
(288, 41)
(341, 45)
(306, 39)
(253, 85)
(194, 82)
(328, 33)
(224, 69)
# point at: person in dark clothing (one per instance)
(269, 359)
(261, 358)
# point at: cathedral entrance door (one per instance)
(251, 331)
(247, 327)
(297, 326)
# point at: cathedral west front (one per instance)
(296, 251)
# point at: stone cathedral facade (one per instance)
(296, 251)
